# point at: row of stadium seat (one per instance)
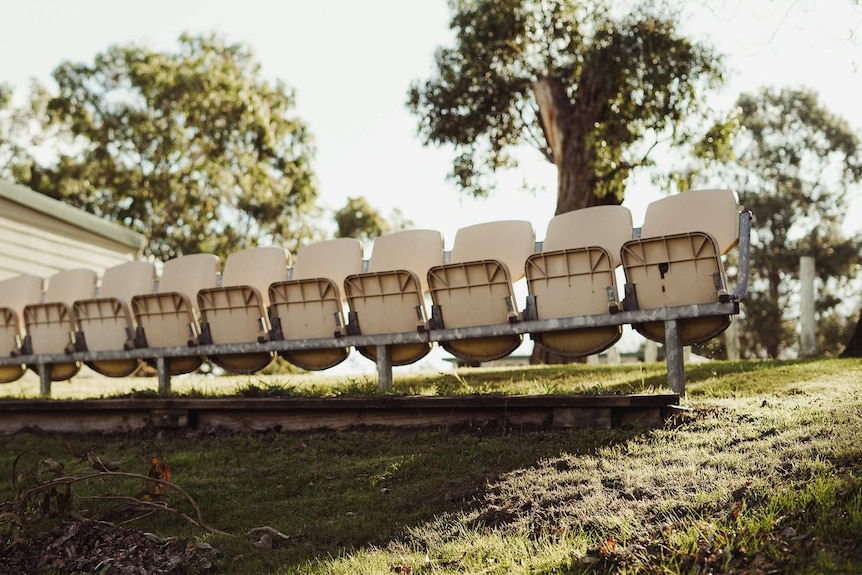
(262, 296)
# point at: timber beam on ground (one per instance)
(297, 413)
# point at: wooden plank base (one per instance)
(295, 414)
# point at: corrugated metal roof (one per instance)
(73, 216)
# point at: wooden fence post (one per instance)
(807, 324)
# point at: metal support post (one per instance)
(164, 376)
(45, 379)
(674, 356)
(384, 368)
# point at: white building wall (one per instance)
(46, 237)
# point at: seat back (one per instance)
(389, 297)
(331, 259)
(19, 291)
(70, 285)
(475, 288)
(50, 325)
(509, 241)
(677, 260)
(189, 274)
(416, 251)
(236, 311)
(124, 281)
(309, 305)
(257, 268)
(169, 317)
(15, 293)
(105, 322)
(606, 227)
(574, 275)
(715, 212)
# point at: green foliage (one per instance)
(618, 84)
(193, 148)
(359, 219)
(21, 131)
(795, 165)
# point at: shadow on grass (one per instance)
(330, 492)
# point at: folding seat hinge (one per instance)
(26, 346)
(511, 312)
(129, 344)
(613, 304)
(140, 338)
(421, 320)
(630, 302)
(352, 324)
(77, 342)
(205, 338)
(530, 311)
(275, 331)
(339, 325)
(194, 336)
(436, 320)
(723, 296)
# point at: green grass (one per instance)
(714, 378)
(760, 473)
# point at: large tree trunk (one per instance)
(567, 127)
(854, 346)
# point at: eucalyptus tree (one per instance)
(594, 92)
(193, 147)
(359, 219)
(796, 165)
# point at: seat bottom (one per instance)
(316, 360)
(579, 342)
(403, 354)
(10, 373)
(243, 363)
(115, 368)
(691, 331)
(482, 348)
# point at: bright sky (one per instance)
(351, 64)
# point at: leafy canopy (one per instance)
(619, 83)
(193, 148)
(795, 165)
(359, 219)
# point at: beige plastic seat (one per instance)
(50, 325)
(574, 276)
(677, 260)
(236, 311)
(310, 304)
(389, 297)
(169, 317)
(15, 293)
(475, 288)
(105, 323)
